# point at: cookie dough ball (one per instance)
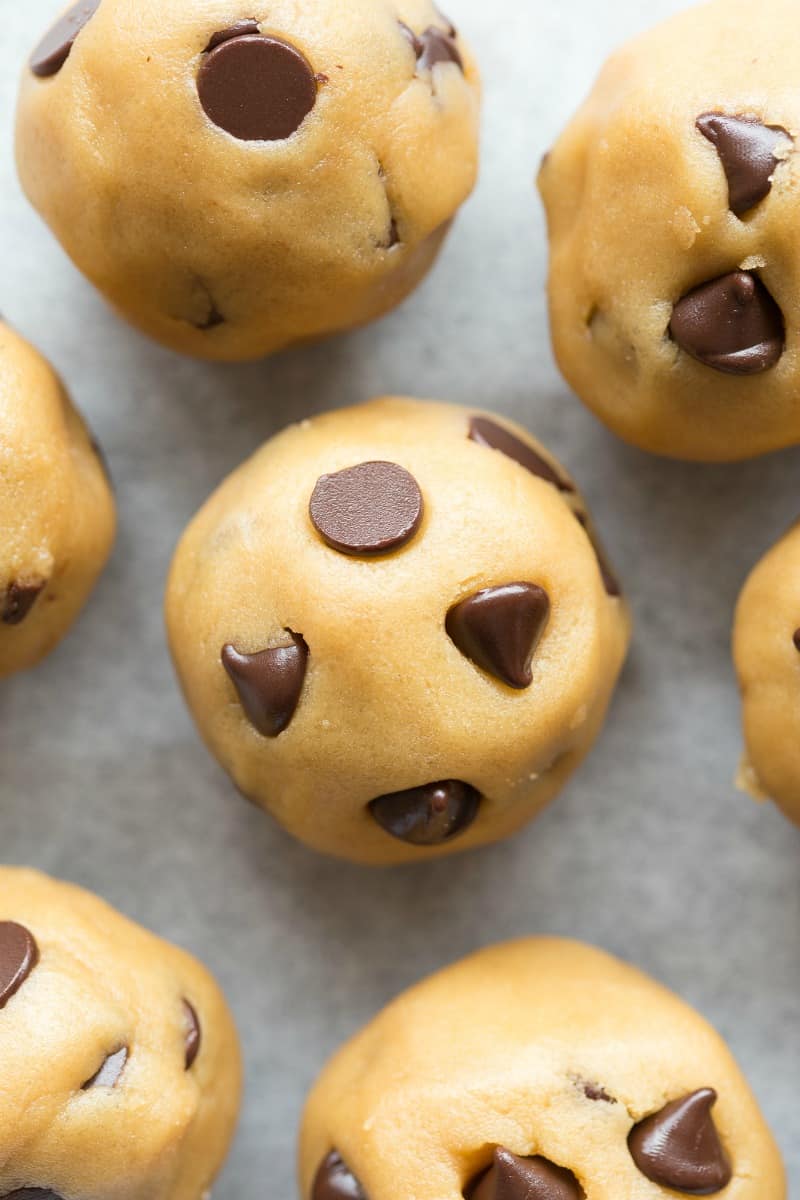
(394, 631)
(767, 654)
(673, 200)
(121, 1072)
(57, 513)
(237, 180)
(537, 1070)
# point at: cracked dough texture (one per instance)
(57, 512)
(175, 220)
(638, 213)
(389, 702)
(496, 1050)
(768, 666)
(102, 982)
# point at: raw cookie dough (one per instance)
(236, 177)
(121, 1071)
(766, 647)
(537, 1070)
(673, 201)
(394, 633)
(57, 513)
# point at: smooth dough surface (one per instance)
(156, 1123)
(644, 207)
(543, 1048)
(767, 654)
(57, 512)
(228, 247)
(388, 701)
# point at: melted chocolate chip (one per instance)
(192, 1035)
(369, 509)
(499, 629)
(269, 683)
(18, 601)
(259, 89)
(240, 29)
(679, 1146)
(513, 1178)
(731, 324)
(335, 1181)
(428, 815)
(54, 49)
(110, 1073)
(433, 46)
(19, 954)
(747, 151)
(488, 433)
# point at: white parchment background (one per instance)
(651, 853)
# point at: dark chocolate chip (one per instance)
(428, 815)
(796, 639)
(110, 1073)
(731, 324)
(32, 1194)
(679, 1146)
(513, 1178)
(192, 1034)
(369, 509)
(747, 151)
(19, 954)
(499, 629)
(335, 1181)
(19, 600)
(593, 1091)
(259, 89)
(269, 683)
(610, 581)
(488, 433)
(54, 49)
(433, 46)
(240, 29)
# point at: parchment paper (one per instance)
(651, 852)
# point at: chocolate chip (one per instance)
(513, 1178)
(428, 815)
(54, 49)
(796, 639)
(192, 1035)
(679, 1147)
(335, 1181)
(369, 509)
(31, 1194)
(110, 1073)
(499, 629)
(259, 89)
(19, 600)
(240, 29)
(433, 46)
(610, 581)
(269, 683)
(746, 149)
(488, 433)
(731, 324)
(19, 954)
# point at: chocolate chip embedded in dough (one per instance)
(747, 150)
(55, 47)
(429, 815)
(335, 1181)
(373, 508)
(679, 1146)
(269, 683)
(257, 88)
(193, 1035)
(499, 629)
(18, 601)
(32, 1194)
(433, 46)
(731, 324)
(488, 433)
(511, 1177)
(19, 955)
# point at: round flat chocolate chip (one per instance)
(731, 324)
(499, 629)
(259, 89)
(429, 815)
(679, 1147)
(513, 1178)
(19, 954)
(335, 1181)
(18, 601)
(110, 1072)
(54, 49)
(748, 153)
(369, 509)
(269, 683)
(193, 1035)
(488, 433)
